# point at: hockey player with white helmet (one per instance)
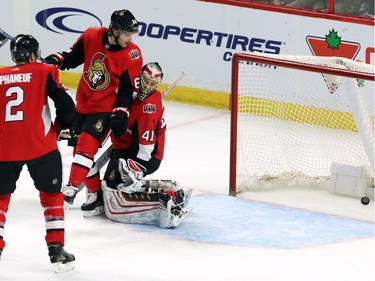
(128, 196)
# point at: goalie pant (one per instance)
(142, 208)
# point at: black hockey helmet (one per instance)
(124, 20)
(151, 77)
(22, 46)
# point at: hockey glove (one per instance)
(131, 175)
(65, 132)
(56, 59)
(119, 121)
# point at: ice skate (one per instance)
(182, 197)
(173, 215)
(70, 193)
(60, 259)
(94, 205)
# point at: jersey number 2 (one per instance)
(17, 115)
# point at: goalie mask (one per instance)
(22, 46)
(151, 77)
(123, 20)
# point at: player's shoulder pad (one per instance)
(94, 31)
(50, 67)
(134, 51)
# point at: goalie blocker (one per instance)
(154, 206)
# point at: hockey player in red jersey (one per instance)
(28, 137)
(144, 139)
(111, 67)
(138, 153)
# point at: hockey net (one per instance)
(293, 116)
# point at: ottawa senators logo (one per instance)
(134, 54)
(99, 126)
(149, 108)
(97, 76)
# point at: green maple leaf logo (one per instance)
(333, 40)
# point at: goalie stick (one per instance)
(174, 83)
(4, 37)
(105, 156)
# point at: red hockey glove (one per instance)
(56, 59)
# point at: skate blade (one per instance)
(59, 267)
(98, 211)
(67, 206)
(178, 219)
(173, 221)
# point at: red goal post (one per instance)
(293, 116)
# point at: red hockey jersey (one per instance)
(26, 128)
(145, 135)
(97, 89)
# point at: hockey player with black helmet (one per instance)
(111, 66)
(28, 137)
(125, 23)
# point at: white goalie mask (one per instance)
(151, 77)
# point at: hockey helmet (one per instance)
(151, 77)
(124, 20)
(22, 46)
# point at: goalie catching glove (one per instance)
(119, 121)
(56, 59)
(131, 174)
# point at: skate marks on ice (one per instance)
(234, 221)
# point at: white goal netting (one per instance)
(293, 116)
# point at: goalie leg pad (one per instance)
(143, 208)
(131, 208)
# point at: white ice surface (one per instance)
(197, 156)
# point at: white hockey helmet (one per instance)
(151, 77)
